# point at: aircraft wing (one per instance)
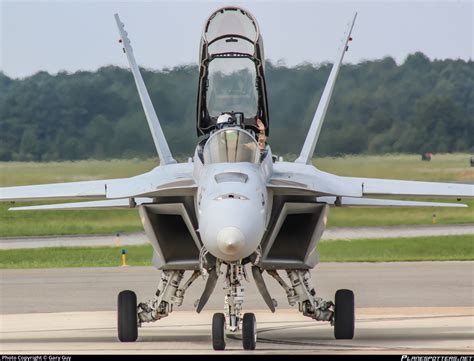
(162, 180)
(294, 178)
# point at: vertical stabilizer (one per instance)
(318, 119)
(157, 133)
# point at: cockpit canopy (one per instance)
(231, 145)
(232, 87)
(231, 75)
(231, 30)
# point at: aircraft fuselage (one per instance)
(232, 209)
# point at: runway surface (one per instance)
(396, 330)
(336, 233)
(407, 307)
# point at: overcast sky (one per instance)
(73, 35)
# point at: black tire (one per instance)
(344, 315)
(249, 331)
(127, 322)
(218, 331)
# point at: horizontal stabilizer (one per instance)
(109, 203)
(87, 189)
(372, 202)
(373, 186)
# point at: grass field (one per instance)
(370, 250)
(444, 167)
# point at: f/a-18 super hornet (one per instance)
(234, 206)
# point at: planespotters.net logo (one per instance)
(437, 358)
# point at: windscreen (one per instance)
(231, 146)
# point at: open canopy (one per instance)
(231, 30)
(232, 70)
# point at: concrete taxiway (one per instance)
(406, 307)
(336, 233)
(386, 330)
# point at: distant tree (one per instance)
(28, 145)
(377, 107)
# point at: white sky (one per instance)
(73, 35)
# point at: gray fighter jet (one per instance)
(234, 206)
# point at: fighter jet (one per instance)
(234, 206)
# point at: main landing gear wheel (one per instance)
(218, 331)
(249, 331)
(344, 316)
(127, 322)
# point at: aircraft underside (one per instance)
(287, 253)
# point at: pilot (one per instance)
(224, 120)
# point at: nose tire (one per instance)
(218, 332)
(249, 331)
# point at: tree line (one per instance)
(377, 107)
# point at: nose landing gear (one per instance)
(232, 320)
(249, 332)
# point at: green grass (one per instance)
(443, 167)
(42, 223)
(363, 250)
(373, 217)
(440, 248)
(61, 257)
(24, 173)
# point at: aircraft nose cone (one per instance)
(230, 240)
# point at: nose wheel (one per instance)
(249, 331)
(218, 331)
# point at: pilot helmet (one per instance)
(223, 120)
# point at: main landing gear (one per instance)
(171, 292)
(127, 322)
(344, 315)
(341, 313)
